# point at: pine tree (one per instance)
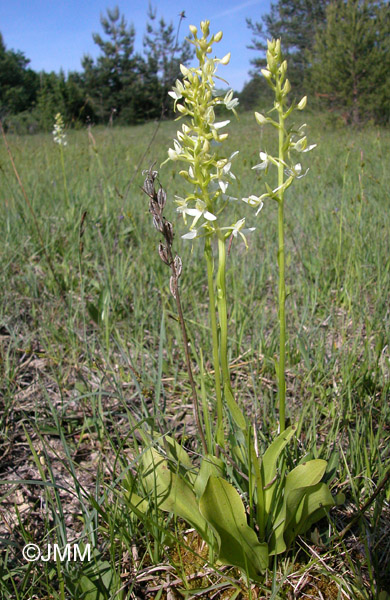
(351, 60)
(295, 22)
(164, 54)
(110, 80)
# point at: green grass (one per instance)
(81, 360)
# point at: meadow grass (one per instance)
(93, 349)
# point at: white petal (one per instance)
(209, 216)
(221, 124)
(259, 209)
(223, 185)
(193, 212)
(190, 235)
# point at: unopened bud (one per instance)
(283, 68)
(194, 30)
(286, 88)
(261, 119)
(182, 109)
(205, 27)
(302, 103)
(278, 49)
(218, 36)
(184, 70)
(225, 60)
(267, 74)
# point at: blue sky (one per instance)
(55, 34)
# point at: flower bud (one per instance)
(181, 109)
(225, 60)
(204, 25)
(278, 50)
(194, 30)
(302, 103)
(218, 36)
(267, 74)
(286, 88)
(184, 70)
(261, 119)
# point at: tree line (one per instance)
(338, 51)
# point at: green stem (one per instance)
(64, 177)
(222, 311)
(214, 329)
(282, 285)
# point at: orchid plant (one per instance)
(287, 171)
(199, 145)
(280, 506)
(59, 138)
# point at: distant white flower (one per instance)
(59, 136)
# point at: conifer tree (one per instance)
(351, 60)
(295, 22)
(110, 79)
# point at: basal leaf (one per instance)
(223, 509)
(171, 493)
(268, 466)
(210, 465)
(314, 505)
(234, 409)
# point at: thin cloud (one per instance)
(235, 9)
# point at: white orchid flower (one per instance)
(256, 201)
(238, 229)
(229, 101)
(265, 158)
(296, 171)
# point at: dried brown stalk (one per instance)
(156, 207)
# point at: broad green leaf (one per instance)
(297, 482)
(210, 465)
(171, 493)
(234, 409)
(268, 466)
(313, 507)
(98, 581)
(178, 454)
(223, 509)
(305, 475)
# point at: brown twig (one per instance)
(156, 207)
